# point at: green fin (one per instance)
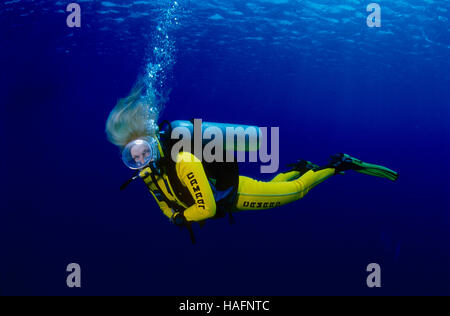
(372, 170)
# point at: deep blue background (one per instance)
(60, 201)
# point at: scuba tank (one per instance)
(234, 137)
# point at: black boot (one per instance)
(344, 162)
(303, 166)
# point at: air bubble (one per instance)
(160, 62)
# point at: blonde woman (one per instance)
(188, 190)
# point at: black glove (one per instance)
(178, 219)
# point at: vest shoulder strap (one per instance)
(181, 192)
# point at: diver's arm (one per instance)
(165, 209)
(191, 173)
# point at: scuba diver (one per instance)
(189, 190)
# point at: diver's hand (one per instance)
(178, 219)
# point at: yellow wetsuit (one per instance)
(251, 195)
(285, 188)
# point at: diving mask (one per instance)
(141, 152)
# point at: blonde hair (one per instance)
(129, 120)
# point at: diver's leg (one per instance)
(298, 169)
(253, 194)
(288, 176)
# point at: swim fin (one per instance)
(344, 162)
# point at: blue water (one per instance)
(312, 68)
